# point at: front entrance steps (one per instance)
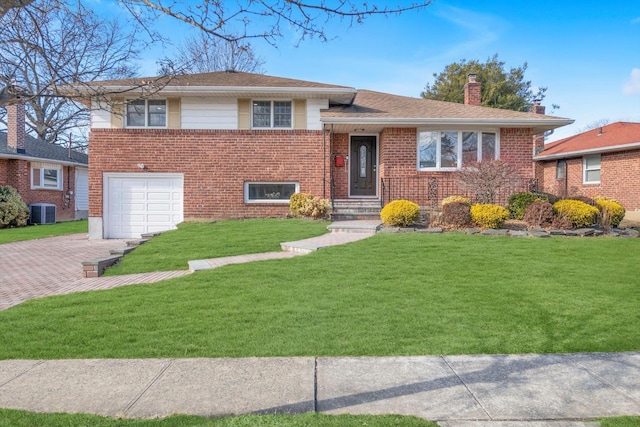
(355, 209)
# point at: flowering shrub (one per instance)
(488, 215)
(579, 213)
(518, 203)
(400, 212)
(13, 211)
(456, 213)
(456, 199)
(611, 212)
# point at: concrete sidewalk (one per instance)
(456, 391)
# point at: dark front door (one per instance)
(363, 167)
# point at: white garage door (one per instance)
(141, 203)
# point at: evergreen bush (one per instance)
(13, 211)
(488, 215)
(400, 213)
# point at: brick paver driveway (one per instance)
(36, 268)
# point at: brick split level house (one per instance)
(600, 162)
(237, 145)
(43, 173)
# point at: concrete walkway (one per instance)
(456, 391)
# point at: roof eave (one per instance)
(535, 123)
(578, 153)
(41, 159)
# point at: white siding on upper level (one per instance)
(100, 115)
(209, 113)
(313, 112)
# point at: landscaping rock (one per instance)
(631, 232)
(495, 232)
(473, 230)
(518, 233)
(582, 232)
(431, 230)
(536, 233)
(558, 232)
(570, 233)
(389, 230)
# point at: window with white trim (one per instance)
(561, 169)
(272, 114)
(452, 149)
(46, 177)
(591, 167)
(269, 192)
(146, 113)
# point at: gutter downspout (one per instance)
(331, 179)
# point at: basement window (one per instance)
(269, 192)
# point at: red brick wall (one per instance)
(16, 173)
(398, 155)
(619, 178)
(516, 148)
(215, 164)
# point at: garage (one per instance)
(141, 203)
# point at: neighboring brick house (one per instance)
(601, 162)
(43, 172)
(236, 145)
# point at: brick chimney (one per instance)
(16, 132)
(472, 91)
(536, 108)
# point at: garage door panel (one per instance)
(142, 204)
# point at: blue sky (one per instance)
(586, 52)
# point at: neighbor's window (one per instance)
(146, 113)
(272, 114)
(591, 166)
(561, 169)
(269, 192)
(449, 150)
(49, 178)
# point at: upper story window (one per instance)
(591, 166)
(47, 177)
(146, 113)
(450, 150)
(272, 114)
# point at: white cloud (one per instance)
(632, 85)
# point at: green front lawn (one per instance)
(8, 235)
(391, 294)
(202, 240)
(12, 418)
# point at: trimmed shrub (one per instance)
(297, 203)
(611, 212)
(456, 199)
(489, 215)
(539, 214)
(315, 208)
(579, 213)
(456, 213)
(584, 199)
(13, 211)
(518, 203)
(400, 213)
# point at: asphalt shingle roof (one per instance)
(220, 79)
(370, 104)
(612, 136)
(44, 150)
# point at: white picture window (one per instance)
(46, 177)
(269, 192)
(451, 149)
(272, 114)
(591, 166)
(146, 113)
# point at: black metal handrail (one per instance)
(431, 190)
